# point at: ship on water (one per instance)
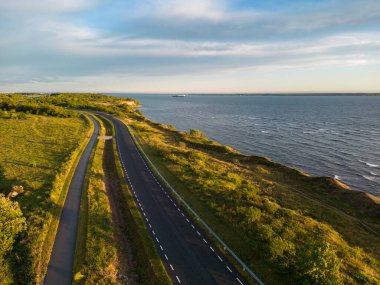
(180, 95)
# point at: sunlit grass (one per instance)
(32, 152)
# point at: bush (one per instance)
(197, 134)
(12, 223)
(318, 263)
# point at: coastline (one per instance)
(329, 145)
(329, 179)
(354, 197)
(202, 172)
(271, 215)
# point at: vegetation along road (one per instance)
(189, 257)
(289, 227)
(60, 269)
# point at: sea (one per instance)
(336, 136)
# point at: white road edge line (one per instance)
(137, 148)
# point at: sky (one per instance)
(190, 46)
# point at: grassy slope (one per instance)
(32, 153)
(271, 214)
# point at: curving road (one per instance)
(188, 255)
(60, 269)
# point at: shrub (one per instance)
(197, 134)
(12, 223)
(318, 263)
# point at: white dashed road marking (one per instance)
(175, 205)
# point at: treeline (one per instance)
(97, 102)
(63, 105)
(10, 105)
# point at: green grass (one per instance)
(37, 152)
(284, 225)
(96, 248)
(288, 227)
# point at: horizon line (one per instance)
(198, 93)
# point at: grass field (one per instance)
(290, 228)
(33, 152)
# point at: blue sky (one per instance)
(190, 46)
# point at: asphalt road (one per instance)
(60, 269)
(189, 257)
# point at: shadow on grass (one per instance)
(5, 183)
(27, 164)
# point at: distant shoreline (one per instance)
(253, 94)
(300, 94)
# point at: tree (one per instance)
(12, 223)
(318, 263)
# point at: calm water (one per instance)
(336, 136)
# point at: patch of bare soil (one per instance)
(114, 191)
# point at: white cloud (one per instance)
(183, 9)
(346, 13)
(43, 41)
(217, 20)
(89, 42)
(44, 6)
